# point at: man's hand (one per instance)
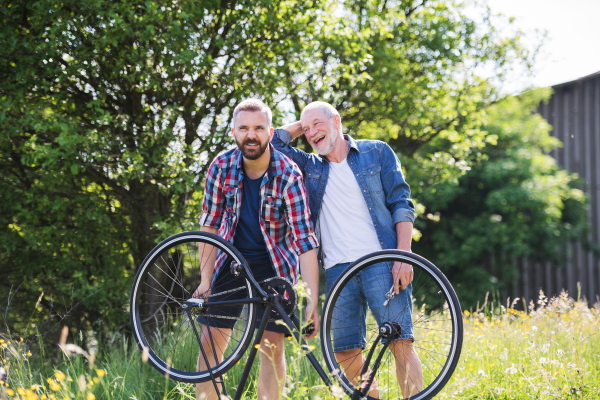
(202, 291)
(312, 315)
(295, 129)
(402, 275)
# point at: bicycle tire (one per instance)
(167, 277)
(433, 301)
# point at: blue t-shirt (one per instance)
(248, 237)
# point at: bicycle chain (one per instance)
(235, 290)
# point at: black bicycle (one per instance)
(199, 339)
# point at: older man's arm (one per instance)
(403, 273)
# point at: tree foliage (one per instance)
(516, 203)
(111, 111)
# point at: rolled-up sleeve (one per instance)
(298, 216)
(397, 191)
(213, 203)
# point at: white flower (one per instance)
(511, 370)
(481, 372)
(543, 360)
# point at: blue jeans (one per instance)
(367, 291)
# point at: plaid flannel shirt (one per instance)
(284, 213)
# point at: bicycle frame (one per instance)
(270, 302)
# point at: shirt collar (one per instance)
(351, 143)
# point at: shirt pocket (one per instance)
(372, 176)
(273, 210)
(230, 194)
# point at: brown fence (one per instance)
(574, 113)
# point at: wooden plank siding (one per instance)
(574, 113)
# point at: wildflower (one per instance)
(59, 376)
(100, 372)
(257, 346)
(29, 353)
(54, 386)
(10, 392)
(21, 391)
(511, 370)
(481, 372)
(90, 396)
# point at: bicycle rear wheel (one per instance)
(166, 279)
(431, 315)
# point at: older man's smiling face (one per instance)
(319, 130)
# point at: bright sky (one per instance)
(571, 49)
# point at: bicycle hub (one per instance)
(390, 330)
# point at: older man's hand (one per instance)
(402, 274)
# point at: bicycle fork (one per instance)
(389, 332)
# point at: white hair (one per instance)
(328, 110)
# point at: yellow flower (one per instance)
(52, 396)
(59, 376)
(29, 353)
(100, 372)
(90, 396)
(96, 380)
(43, 397)
(54, 386)
(10, 392)
(21, 391)
(257, 346)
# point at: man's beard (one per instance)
(328, 142)
(252, 154)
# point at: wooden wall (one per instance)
(574, 113)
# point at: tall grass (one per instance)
(549, 351)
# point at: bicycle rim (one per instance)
(166, 279)
(436, 324)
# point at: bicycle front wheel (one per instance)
(422, 355)
(166, 279)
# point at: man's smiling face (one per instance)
(252, 133)
(319, 130)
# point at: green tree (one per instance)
(516, 203)
(111, 111)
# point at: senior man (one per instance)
(360, 203)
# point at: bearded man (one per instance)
(255, 198)
(359, 203)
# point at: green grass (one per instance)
(550, 352)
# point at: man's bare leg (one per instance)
(206, 390)
(271, 377)
(352, 361)
(408, 367)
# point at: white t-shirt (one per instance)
(347, 231)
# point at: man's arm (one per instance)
(305, 243)
(213, 206)
(309, 269)
(281, 142)
(398, 202)
(403, 273)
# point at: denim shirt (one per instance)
(379, 176)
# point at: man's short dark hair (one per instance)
(253, 105)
